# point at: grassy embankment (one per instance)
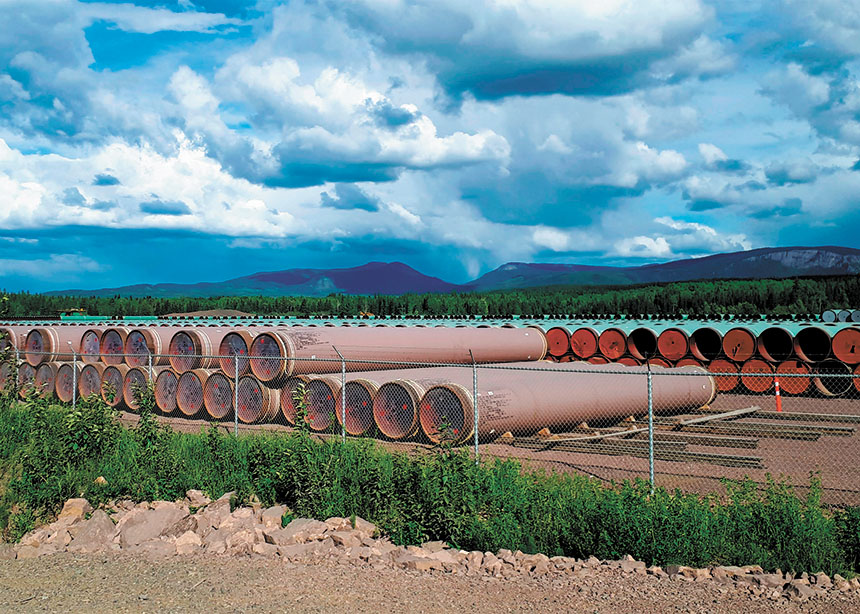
(49, 453)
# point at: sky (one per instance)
(199, 140)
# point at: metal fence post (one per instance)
(17, 366)
(475, 401)
(650, 428)
(74, 380)
(149, 364)
(235, 395)
(342, 395)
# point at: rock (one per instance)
(94, 535)
(241, 518)
(697, 574)
(339, 524)
(769, 580)
(155, 548)
(434, 546)
(674, 570)
(633, 566)
(304, 530)
(142, 525)
(36, 537)
(444, 556)
(265, 549)
(799, 590)
(271, 516)
(655, 570)
(822, 580)
(345, 539)
(837, 578)
(417, 563)
(365, 528)
(32, 552)
(531, 561)
(189, 523)
(74, 510)
(188, 543)
(297, 551)
(241, 542)
(278, 537)
(101, 481)
(197, 499)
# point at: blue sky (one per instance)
(191, 140)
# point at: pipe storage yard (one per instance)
(551, 390)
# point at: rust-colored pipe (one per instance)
(740, 344)
(275, 355)
(812, 344)
(832, 386)
(775, 344)
(523, 402)
(287, 400)
(112, 345)
(706, 343)
(673, 344)
(90, 380)
(26, 377)
(558, 341)
(583, 342)
(846, 345)
(218, 396)
(598, 360)
(793, 385)
(659, 362)
(856, 378)
(189, 391)
(113, 377)
(257, 403)
(642, 343)
(142, 343)
(750, 378)
(725, 383)
(64, 384)
(45, 378)
(395, 407)
(195, 348)
(165, 391)
(689, 362)
(235, 343)
(628, 361)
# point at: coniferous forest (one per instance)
(709, 298)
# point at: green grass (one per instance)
(48, 454)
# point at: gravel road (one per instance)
(133, 583)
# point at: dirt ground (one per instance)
(127, 583)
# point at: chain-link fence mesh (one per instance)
(699, 411)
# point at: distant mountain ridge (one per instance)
(398, 278)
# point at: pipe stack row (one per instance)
(751, 357)
(216, 371)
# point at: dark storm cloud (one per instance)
(348, 196)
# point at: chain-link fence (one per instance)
(680, 427)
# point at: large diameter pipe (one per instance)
(52, 344)
(26, 376)
(558, 341)
(524, 402)
(287, 400)
(113, 377)
(275, 355)
(706, 343)
(775, 344)
(740, 344)
(257, 403)
(799, 379)
(15, 336)
(236, 343)
(90, 380)
(6, 378)
(45, 378)
(112, 345)
(729, 379)
(195, 348)
(812, 344)
(627, 361)
(64, 384)
(91, 345)
(830, 378)
(583, 342)
(145, 346)
(165, 391)
(757, 375)
(218, 396)
(673, 344)
(359, 395)
(135, 384)
(846, 345)
(189, 391)
(612, 343)
(642, 343)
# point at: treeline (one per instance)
(712, 298)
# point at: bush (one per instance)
(48, 454)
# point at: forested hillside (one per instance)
(738, 297)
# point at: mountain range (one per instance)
(398, 278)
